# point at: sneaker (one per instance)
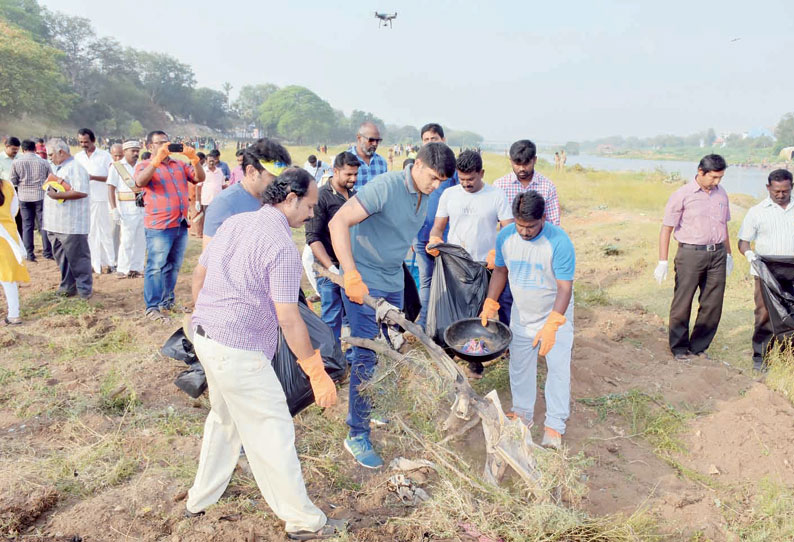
(361, 450)
(551, 439)
(683, 357)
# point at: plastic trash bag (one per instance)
(193, 381)
(458, 291)
(411, 304)
(293, 380)
(177, 346)
(777, 288)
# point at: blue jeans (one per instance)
(164, 252)
(363, 325)
(333, 311)
(426, 264)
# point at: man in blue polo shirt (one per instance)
(370, 235)
(430, 133)
(539, 259)
(371, 164)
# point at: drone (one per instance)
(385, 18)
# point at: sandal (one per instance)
(12, 321)
(155, 315)
(332, 528)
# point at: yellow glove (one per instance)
(489, 310)
(355, 289)
(190, 154)
(433, 241)
(161, 155)
(323, 387)
(490, 260)
(547, 336)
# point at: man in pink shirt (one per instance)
(237, 173)
(697, 215)
(214, 182)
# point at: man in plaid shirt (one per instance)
(523, 156)
(164, 182)
(28, 175)
(371, 164)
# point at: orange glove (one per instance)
(433, 241)
(489, 310)
(323, 387)
(490, 260)
(547, 336)
(355, 289)
(190, 154)
(162, 154)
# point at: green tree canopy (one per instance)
(250, 98)
(784, 131)
(297, 114)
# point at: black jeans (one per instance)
(696, 269)
(31, 215)
(74, 259)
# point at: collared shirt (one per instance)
(533, 269)
(212, 185)
(328, 203)
(5, 166)
(511, 186)
(380, 241)
(366, 172)
(28, 174)
(126, 208)
(317, 171)
(73, 216)
(251, 264)
(432, 208)
(771, 227)
(225, 169)
(236, 176)
(696, 216)
(166, 195)
(98, 164)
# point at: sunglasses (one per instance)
(372, 139)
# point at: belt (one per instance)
(707, 248)
(200, 331)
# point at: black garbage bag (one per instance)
(459, 289)
(177, 346)
(777, 288)
(412, 306)
(193, 381)
(296, 384)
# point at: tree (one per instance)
(572, 148)
(297, 114)
(209, 107)
(250, 98)
(463, 138)
(710, 138)
(167, 82)
(30, 81)
(357, 118)
(784, 131)
(402, 134)
(27, 15)
(75, 37)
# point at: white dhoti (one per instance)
(132, 245)
(100, 237)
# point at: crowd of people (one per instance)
(361, 217)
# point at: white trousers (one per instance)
(11, 290)
(308, 260)
(524, 376)
(132, 248)
(100, 237)
(248, 406)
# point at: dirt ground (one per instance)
(73, 466)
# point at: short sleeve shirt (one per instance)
(473, 218)
(73, 216)
(432, 208)
(533, 269)
(381, 241)
(166, 195)
(246, 275)
(511, 186)
(234, 200)
(696, 216)
(212, 185)
(771, 227)
(98, 164)
(128, 207)
(366, 172)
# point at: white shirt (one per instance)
(473, 218)
(771, 227)
(73, 216)
(126, 208)
(98, 164)
(212, 185)
(317, 171)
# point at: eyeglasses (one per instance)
(372, 139)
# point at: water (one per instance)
(737, 180)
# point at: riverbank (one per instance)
(763, 157)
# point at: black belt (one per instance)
(200, 331)
(707, 248)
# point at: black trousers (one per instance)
(74, 259)
(30, 211)
(696, 270)
(762, 334)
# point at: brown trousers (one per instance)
(696, 270)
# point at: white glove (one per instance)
(728, 265)
(660, 273)
(334, 269)
(750, 255)
(198, 206)
(115, 215)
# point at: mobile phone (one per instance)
(175, 147)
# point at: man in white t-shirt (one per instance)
(473, 210)
(100, 239)
(126, 213)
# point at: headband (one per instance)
(274, 168)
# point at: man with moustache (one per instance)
(371, 164)
(770, 225)
(125, 212)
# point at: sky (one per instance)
(548, 71)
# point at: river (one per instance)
(737, 180)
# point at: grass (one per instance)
(116, 395)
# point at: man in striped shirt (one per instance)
(770, 224)
(28, 174)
